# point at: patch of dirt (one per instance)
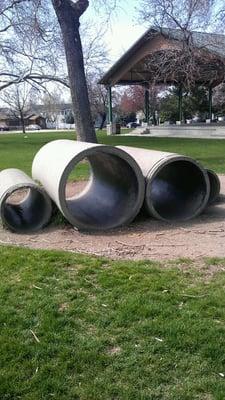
(17, 196)
(145, 238)
(74, 189)
(114, 351)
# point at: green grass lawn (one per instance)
(78, 327)
(18, 151)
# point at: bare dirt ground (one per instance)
(145, 238)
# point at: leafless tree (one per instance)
(50, 103)
(34, 49)
(186, 15)
(186, 61)
(98, 98)
(219, 98)
(29, 44)
(95, 50)
(17, 100)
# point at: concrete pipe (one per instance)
(24, 206)
(214, 186)
(177, 187)
(115, 190)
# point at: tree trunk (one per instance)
(22, 122)
(68, 14)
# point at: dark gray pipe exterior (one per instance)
(177, 187)
(32, 212)
(114, 194)
(214, 186)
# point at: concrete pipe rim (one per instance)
(110, 151)
(155, 171)
(45, 218)
(214, 185)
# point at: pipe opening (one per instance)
(25, 210)
(78, 179)
(111, 196)
(214, 186)
(178, 191)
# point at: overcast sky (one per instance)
(125, 28)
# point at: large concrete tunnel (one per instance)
(177, 187)
(24, 206)
(113, 195)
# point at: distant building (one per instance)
(36, 120)
(59, 116)
(10, 122)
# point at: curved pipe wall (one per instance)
(31, 208)
(115, 192)
(177, 187)
(214, 186)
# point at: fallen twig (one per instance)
(192, 296)
(128, 244)
(35, 337)
(37, 287)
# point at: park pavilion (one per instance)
(164, 56)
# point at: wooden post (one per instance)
(210, 103)
(147, 103)
(180, 108)
(110, 114)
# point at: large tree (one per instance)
(69, 13)
(42, 31)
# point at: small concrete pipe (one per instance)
(115, 190)
(177, 187)
(214, 186)
(24, 206)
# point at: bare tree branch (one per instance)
(184, 60)
(34, 47)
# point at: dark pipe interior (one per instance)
(178, 190)
(111, 195)
(214, 186)
(28, 214)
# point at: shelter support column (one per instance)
(147, 105)
(210, 102)
(110, 114)
(180, 102)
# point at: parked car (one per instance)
(33, 127)
(220, 118)
(132, 125)
(4, 127)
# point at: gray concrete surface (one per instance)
(204, 131)
(113, 195)
(177, 187)
(32, 212)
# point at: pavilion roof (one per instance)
(121, 71)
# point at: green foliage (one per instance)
(169, 108)
(79, 327)
(194, 102)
